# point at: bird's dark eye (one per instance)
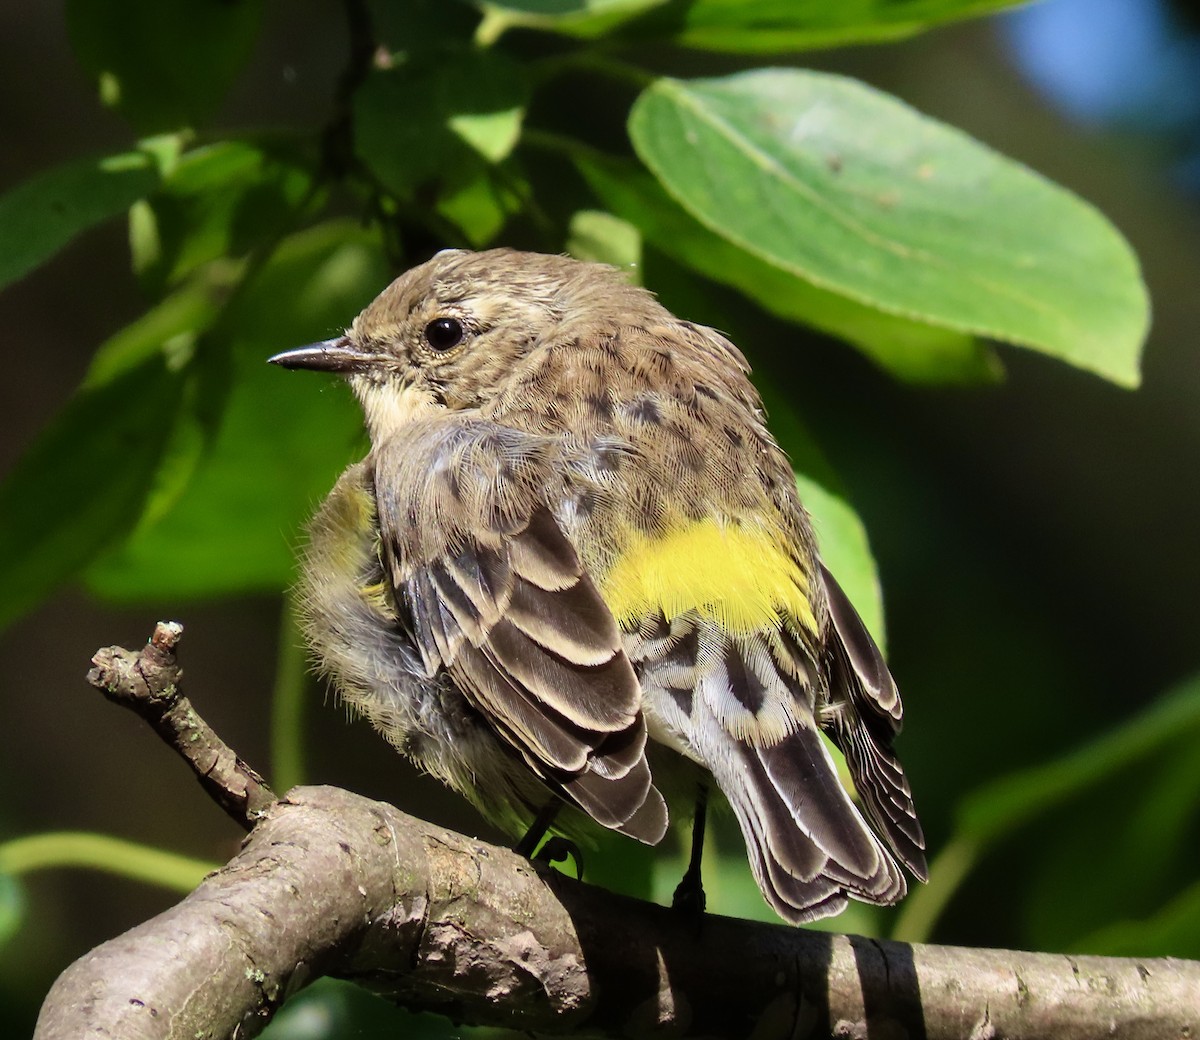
(444, 333)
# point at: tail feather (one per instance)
(886, 796)
(810, 848)
(747, 706)
(866, 717)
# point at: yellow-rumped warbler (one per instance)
(573, 532)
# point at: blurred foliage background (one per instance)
(1032, 523)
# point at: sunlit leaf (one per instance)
(428, 119)
(601, 237)
(785, 26)
(42, 215)
(860, 194)
(479, 199)
(583, 18)
(764, 26)
(910, 350)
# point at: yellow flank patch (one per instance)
(737, 576)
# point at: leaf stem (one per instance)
(57, 849)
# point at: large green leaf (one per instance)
(910, 350)
(42, 215)
(84, 481)
(867, 198)
(783, 26)
(736, 25)
(282, 439)
(164, 64)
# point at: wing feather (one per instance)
(496, 595)
(867, 716)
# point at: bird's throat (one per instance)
(390, 406)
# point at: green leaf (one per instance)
(785, 26)
(845, 550)
(582, 18)
(479, 201)
(170, 327)
(603, 238)
(1087, 782)
(910, 350)
(867, 198)
(219, 200)
(42, 215)
(83, 482)
(1135, 794)
(163, 64)
(1144, 815)
(283, 437)
(764, 26)
(437, 116)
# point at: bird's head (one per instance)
(448, 332)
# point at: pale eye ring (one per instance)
(444, 334)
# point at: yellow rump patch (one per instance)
(737, 576)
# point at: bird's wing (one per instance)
(493, 591)
(867, 716)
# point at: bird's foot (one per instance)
(557, 849)
(689, 897)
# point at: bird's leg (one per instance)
(689, 894)
(556, 848)
(537, 830)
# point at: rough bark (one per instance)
(329, 883)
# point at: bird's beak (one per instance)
(331, 355)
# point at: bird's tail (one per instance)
(810, 849)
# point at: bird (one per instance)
(573, 575)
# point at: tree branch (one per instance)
(331, 883)
(147, 682)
